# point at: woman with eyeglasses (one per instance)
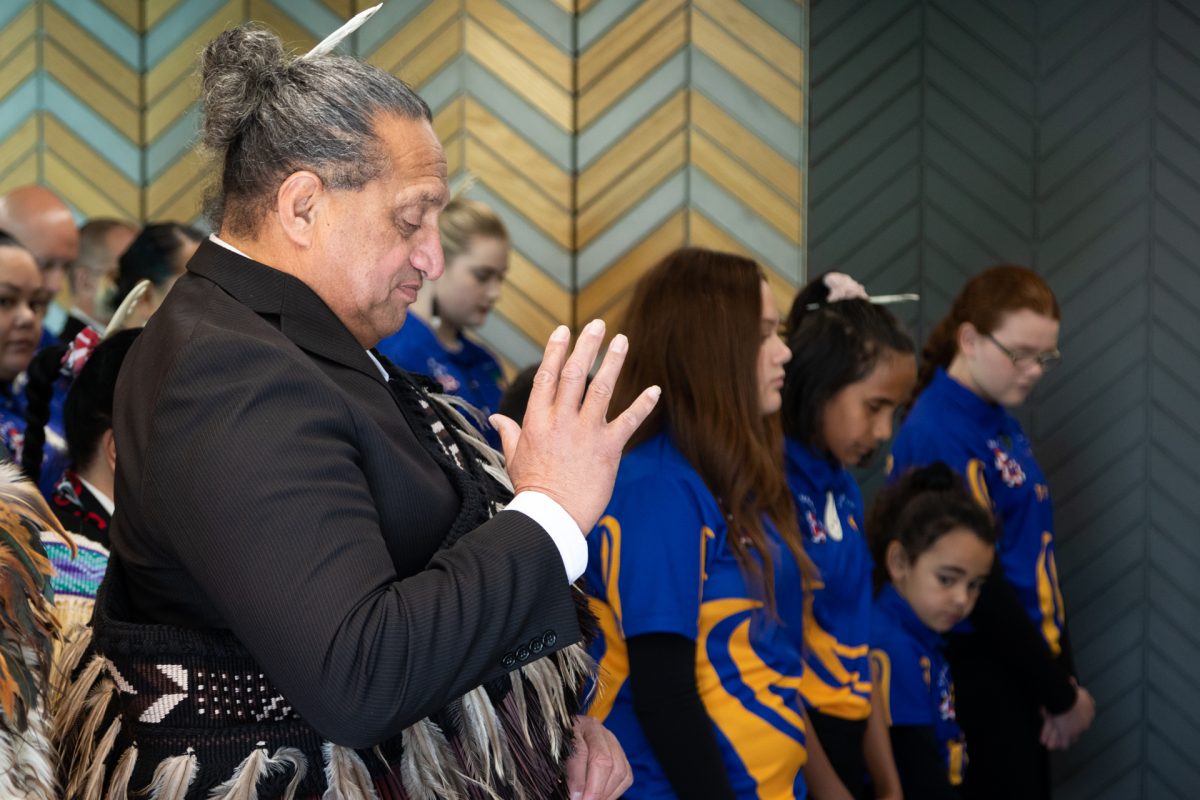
(1017, 693)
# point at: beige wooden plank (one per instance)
(757, 34)
(168, 107)
(539, 287)
(19, 144)
(520, 36)
(526, 315)
(449, 121)
(388, 55)
(114, 107)
(429, 60)
(628, 73)
(620, 197)
(64, 178)
(188, 168)
(618, 278)
(519, 192)
(24, 173)
(615, 45)
(783, 215)
(704, 233)
(18, 68)
(17, 33)
(742, 144)
(74, 151)
(182, 60)
(749, 67)
(519, 153)
(541, 92)
(633, 147)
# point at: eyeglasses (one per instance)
(1023, 360)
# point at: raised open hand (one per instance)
(566, 447)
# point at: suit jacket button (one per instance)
(508, 661)
(522, 653)
(549, 638)
(535, 645)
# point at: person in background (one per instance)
(23, 302)
(101, 243)
(697, 562)
(853, 366)
(433, 340)
(933, 547)
(159, 254)
(1017, 690)
(83, 499)
(38, 218)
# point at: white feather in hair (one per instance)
(125, 310)
(332, 40)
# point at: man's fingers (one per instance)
(624, 426)
(510, 434)
(577, 767)
(573, 378)
(545, 382)
(599, 394)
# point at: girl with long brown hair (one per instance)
(1017, 692)
(698, 558)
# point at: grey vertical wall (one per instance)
(947, 135)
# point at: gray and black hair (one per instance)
(268, 113)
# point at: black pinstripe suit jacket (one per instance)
(268, 484)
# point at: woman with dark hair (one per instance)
(698, 557)
(83, 498)
(23, 304)
(1017, 692)
(159, 254)
(852, 367)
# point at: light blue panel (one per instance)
(181, 136)
(512, 343)
(747, 107)
(601, 17)
(642, 219)
(105, 26)
(746, 227)
(785, 16)
(549, 19)
(17, 105)
(11, 8)
(317, 19)
(632, 109)
(175, 27)
(394, 15)
(533, 244)
(535, 127)
(445, 86)
(102, 137)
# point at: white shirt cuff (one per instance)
(559, 525)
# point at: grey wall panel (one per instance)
(949, 135)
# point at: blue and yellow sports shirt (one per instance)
(914, 678)
(984, 443)
(837, 617)
(659, 562)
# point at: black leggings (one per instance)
(1002, 724)
(842, 741)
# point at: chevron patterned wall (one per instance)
(947, 135)
(606, 132)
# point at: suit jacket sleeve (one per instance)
(254, 479)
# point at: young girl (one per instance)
(432, 341)
(852, 366)
(698, 556)
(933, 547)
(1017, 689)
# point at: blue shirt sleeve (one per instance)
(904, 676)
(654, 533)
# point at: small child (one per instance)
(933, 546)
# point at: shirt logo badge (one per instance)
(815, 527)
(1010, 471)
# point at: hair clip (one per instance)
(79, 351)
(879, 300)
(334, 39)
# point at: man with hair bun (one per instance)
(323, 583)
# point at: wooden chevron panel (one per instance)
(601, 131)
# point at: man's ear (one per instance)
(296, 204)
